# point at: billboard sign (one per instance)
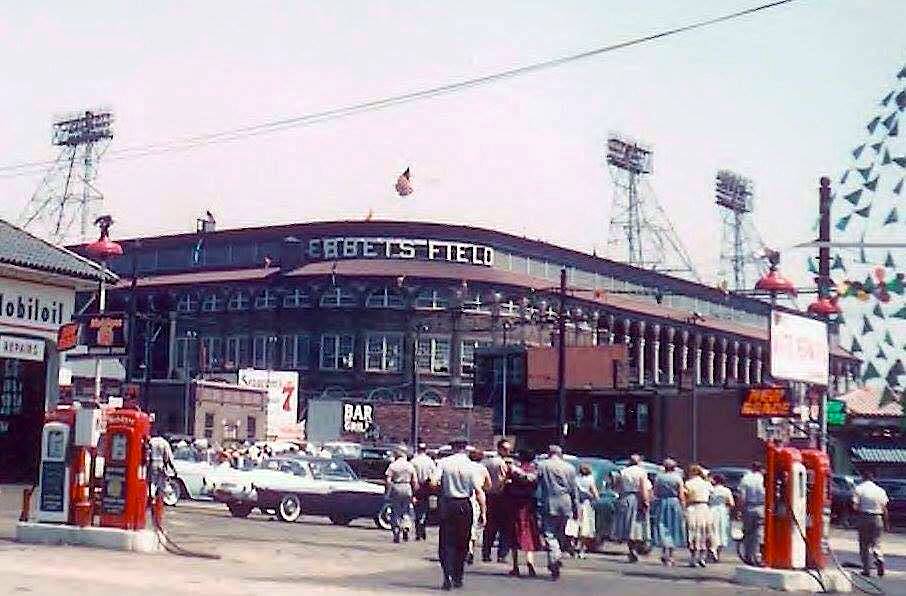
(799, 349)
(765, 402)
(357, 417)
(282, 399)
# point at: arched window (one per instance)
(384, 298)
(431, 299)
(431, 397)
(188, 302)
(212, 302)
(266, 299)
(338, 297)
(383, 394)
(239, 300)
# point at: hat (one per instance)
(459, 442)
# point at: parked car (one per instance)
(896, 493)
(292, 486)
(371, 462)
(842, 511)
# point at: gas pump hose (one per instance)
(168, 543)
(875, 589)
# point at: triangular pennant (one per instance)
(877, 146)
(854, 196)
(856, 347)
(844, 177)
(880, 355)
(902, 73)
(886, 159)
(898, 187)
(864, 211)
(897, 369)
(873, 185)
(897, 284)
(866, 172)
(876, 311)
(888, 396)
(888, 339)
(888, 262)
(892, 217)
(870, 372)
(900, 314)
(901, 99)
(872, 126)
(866, 326)
(887, 99)
(900, 161)
(890, 121)
(838, 263)
(895, 131)
(858, 151)
(843, 222)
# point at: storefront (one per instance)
(38, 283)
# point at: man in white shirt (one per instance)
(401, 480)
(751, 502)
(632, 523)
(424, 469)
(458, 479)
(870, 500)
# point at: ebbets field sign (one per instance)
(765, 402)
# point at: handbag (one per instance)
(572, 528)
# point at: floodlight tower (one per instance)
(651, 242)
(740, 241)
(67, 189)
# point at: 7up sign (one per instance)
(282, 400)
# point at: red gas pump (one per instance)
(817, 526)
(784, 508)
(125, 489)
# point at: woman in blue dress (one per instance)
(721, 503)
(669, 517)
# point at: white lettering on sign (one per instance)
(400, 248)
(35, 305)
(799, 349)
(357, 418)
(20, 348)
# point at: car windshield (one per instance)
(332, 469)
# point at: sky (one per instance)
(781, 96)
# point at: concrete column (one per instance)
(640, 353)
(656, 354)
(698, 359)
(671, 332)
(684, 351)
(757, 365)
(747, 365)
(724, 342)
(735, 362)
(711, 341)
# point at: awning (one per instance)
(880, 455)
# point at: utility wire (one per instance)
(238, 133)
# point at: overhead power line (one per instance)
(30, 168)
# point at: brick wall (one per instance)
(437, 424)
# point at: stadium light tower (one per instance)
(651, 242)
(82, 140)
(740, 240)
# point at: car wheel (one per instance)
(382, 519)
(290, 508)
(239, 509)
(171, 492)
(340, 520)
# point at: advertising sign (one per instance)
(282, 399)
(400, 248)
(34, 306)
(799, 349)
(67, 336)
(357, 418)
(20, 348)
(106, 330)
(769, 402)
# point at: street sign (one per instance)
(766, 402)
(836, 412)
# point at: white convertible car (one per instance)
(292, 486)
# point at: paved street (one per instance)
(262, 555)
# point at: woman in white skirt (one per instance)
(721, 504)
(588, 494)
(699, 523)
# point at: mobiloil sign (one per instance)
(31, 308)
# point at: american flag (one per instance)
(403, 184)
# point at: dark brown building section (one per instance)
(437, 424)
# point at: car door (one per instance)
(192, 474)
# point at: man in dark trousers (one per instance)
(498, 521)
(458, 478)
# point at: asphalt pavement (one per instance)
(263, 555)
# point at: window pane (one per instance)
(642, 418)
(619, 416)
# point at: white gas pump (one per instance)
(53, 488)
(799, 511)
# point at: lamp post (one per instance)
(102, 249)
(561, 361)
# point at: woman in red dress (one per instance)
(520, 489)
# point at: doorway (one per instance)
(22, 389)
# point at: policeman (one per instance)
(870, 500)
(424, 469)
(458, 479)
(401, 485)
